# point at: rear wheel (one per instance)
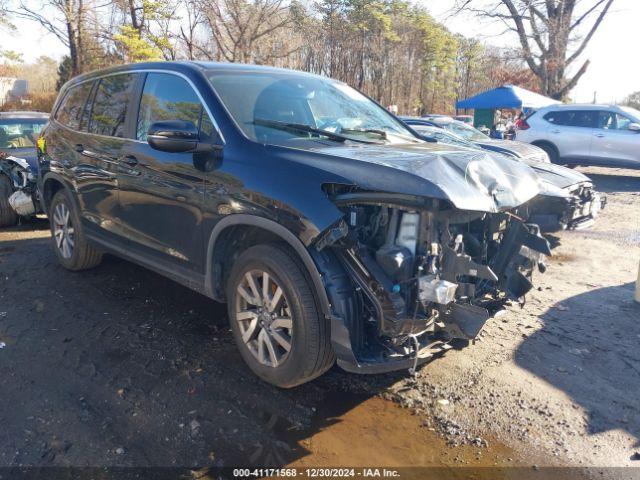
(8, 217)
(276, 324)
(69, 242)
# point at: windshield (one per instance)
(633, 112)
(20, 133)
(274, 107)
(465, 131)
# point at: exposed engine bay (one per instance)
(24, 198)
(428, 274)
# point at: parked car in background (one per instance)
(19, 132)
(607, 135)
(519, 150)
(567, 199)
(328, 227)
(468, 119)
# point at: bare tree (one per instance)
(64, 19)
(237, 25)
(553, 34)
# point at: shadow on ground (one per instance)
(120, 366)
(600, 331)
(609, 180)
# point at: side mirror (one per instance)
(634, 127)
(177, 136)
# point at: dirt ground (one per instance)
(119, 366)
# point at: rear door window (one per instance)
(170, 97)
(72, 111)
(573, 118)
(109, 109)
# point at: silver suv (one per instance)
(586, 134)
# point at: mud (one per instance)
(118, 366)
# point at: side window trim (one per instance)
(88, 107)
(133, 109)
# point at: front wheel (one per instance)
(69, 242)
(279, 331)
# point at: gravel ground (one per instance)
(561, 375)
(119, 366)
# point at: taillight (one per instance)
(524, 125)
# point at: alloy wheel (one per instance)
(63, 232)
(264, 317)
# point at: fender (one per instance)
(340, 310)
(280, 231)
(61, 179)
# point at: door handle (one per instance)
(129, 161)
(600, 135)
(79, 147)
(555, 131)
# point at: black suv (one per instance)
(327, 226)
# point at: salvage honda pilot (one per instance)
(328, 227)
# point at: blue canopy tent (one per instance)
(507, 96)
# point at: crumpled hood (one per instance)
(470, 180)
(561, 177)
(520, 149)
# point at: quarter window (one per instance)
(110, 105)
(169, 97)
(72, 111)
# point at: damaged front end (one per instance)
(571, 208)
(23, 197)
(426, 274)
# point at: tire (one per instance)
(78, 254)
(8, 217)
(310, 353)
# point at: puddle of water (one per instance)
(357, 431)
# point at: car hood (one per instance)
(470, 180)
(28, 154)
(519, 149)
(561, 177)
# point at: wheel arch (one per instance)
(237, 226)
(547, 143)
(51, 184)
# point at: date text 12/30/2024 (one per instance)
(315, 473)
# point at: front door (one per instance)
(161, 193)
(613, 142)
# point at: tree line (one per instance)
(393, 50)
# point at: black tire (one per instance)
(550, 150)
(310, 353)
(83, 255)
(8, 217)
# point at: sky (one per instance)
(614, 71)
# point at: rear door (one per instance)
(571, 131)
(161, 193)
(613, 142)
(99, 151)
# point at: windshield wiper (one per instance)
(302, 127)
(381, 133)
